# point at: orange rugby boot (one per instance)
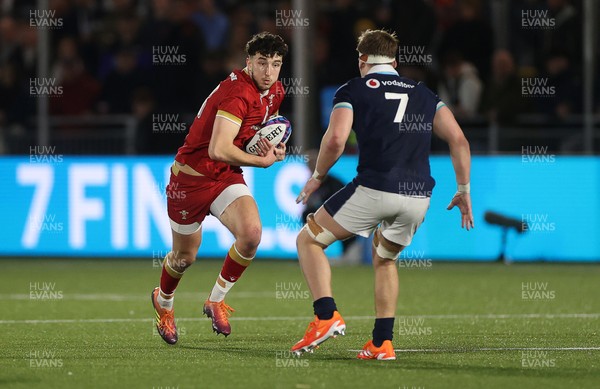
(384, 353)
(165, 320)
(219, 313)
(319, 331)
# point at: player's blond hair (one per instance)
(378, 42)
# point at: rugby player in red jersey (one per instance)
(207, 170)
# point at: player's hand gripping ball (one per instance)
(277, 129)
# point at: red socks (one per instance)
(169, 278)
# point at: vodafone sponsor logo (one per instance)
(373, 83)
(397, 83)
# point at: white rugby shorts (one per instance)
(360, 210)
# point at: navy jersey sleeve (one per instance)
(343, 97)
(438, 102)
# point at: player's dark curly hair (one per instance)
(266, 44)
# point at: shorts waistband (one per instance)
(177, 172)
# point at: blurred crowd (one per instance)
(147, 57)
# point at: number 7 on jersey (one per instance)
(403, 97)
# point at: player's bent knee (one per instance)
(385, 248)
(247, 241)
(317, 232)
(303, 238)
(241, 257)
(181, 259)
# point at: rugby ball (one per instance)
(276, 129)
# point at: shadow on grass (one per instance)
(412, 364)
(425, 362)
(12, 380)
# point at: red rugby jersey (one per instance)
(236, 99)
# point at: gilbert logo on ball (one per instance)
(277, 129)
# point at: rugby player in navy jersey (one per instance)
(393, 118)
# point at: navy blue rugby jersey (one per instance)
(393, 122)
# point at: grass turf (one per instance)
(461, 325)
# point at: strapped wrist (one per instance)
(317, 176)
(464, 188)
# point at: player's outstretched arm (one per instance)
(446, 127)
(221, 147)
(332, 146)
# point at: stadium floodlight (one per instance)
(506, 223)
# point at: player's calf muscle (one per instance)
(184, 251)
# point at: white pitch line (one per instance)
(472, 350)
(508, 316)
(131, 297)
(279, 318)
(267, 294)
(142, 319)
